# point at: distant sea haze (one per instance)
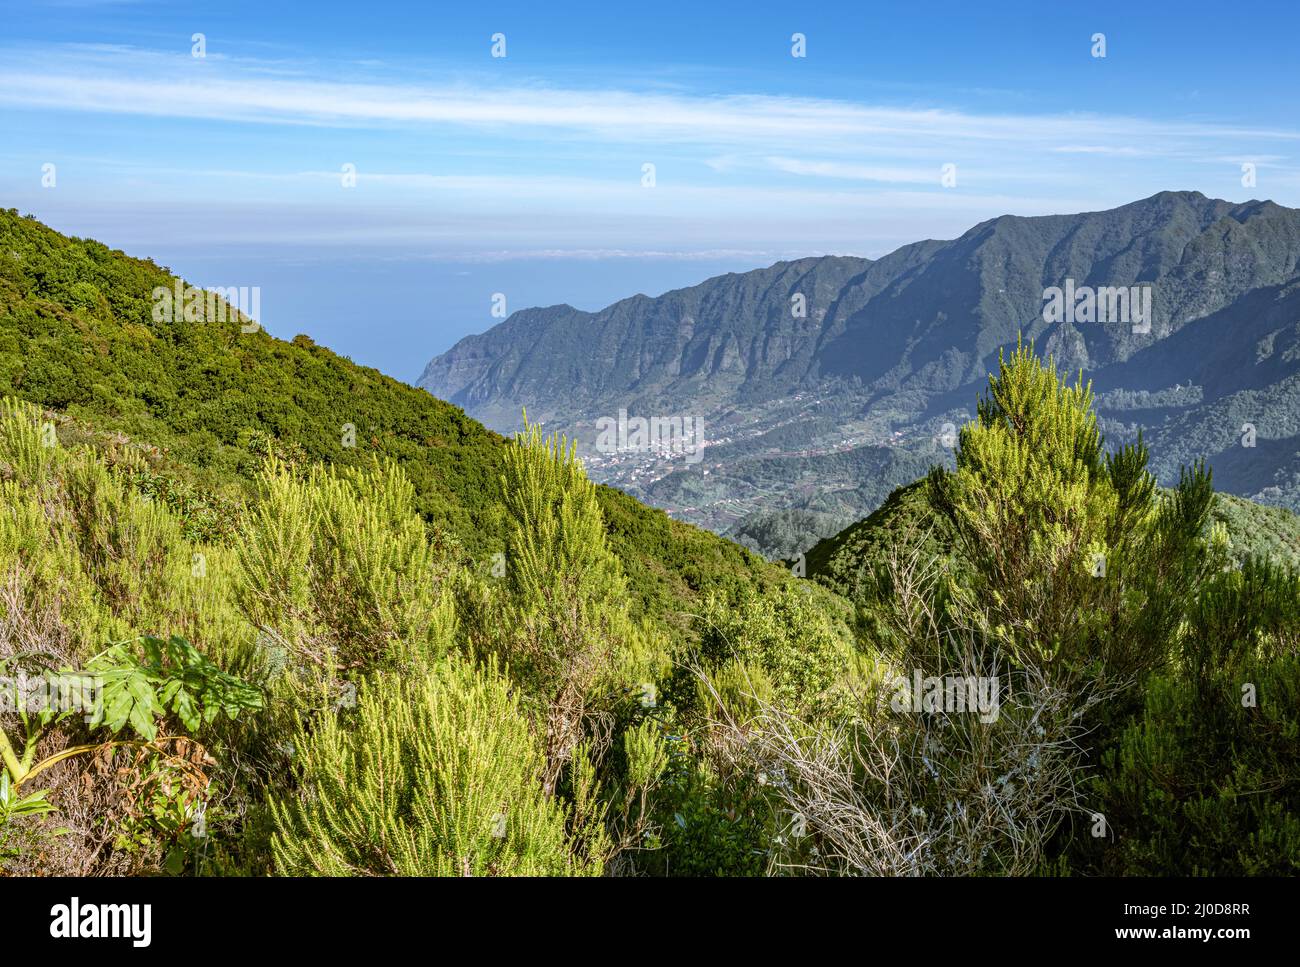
(394, 311)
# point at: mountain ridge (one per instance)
(1174, 207)
(888, 351)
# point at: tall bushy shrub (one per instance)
(338, 571)
(436, 776)
(559, 618)
(1074, 578)
(1076, 564)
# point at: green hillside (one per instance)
(77, 336)
(1272, 532)
(844, 561)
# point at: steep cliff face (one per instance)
(1181, 308)
(725, 332)
(929, 316)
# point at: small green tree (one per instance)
(562, 622)
(338, 570)
(1204, 778)
(1077, 563)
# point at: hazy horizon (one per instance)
(381, 186)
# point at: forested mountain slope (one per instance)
(77, 336)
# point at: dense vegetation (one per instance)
(77, 336)
(337, 693)
(449, 654)
(785, 534)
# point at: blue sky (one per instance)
(525, 174)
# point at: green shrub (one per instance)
(436, 776)
(796, 646)
(1203, 788)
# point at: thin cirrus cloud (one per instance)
(478, 144)
(129, 81)
(1124, 150)
(853, 172)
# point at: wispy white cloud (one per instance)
(855, 172)
(485, 163)
(127, 81)
(1126, 151)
